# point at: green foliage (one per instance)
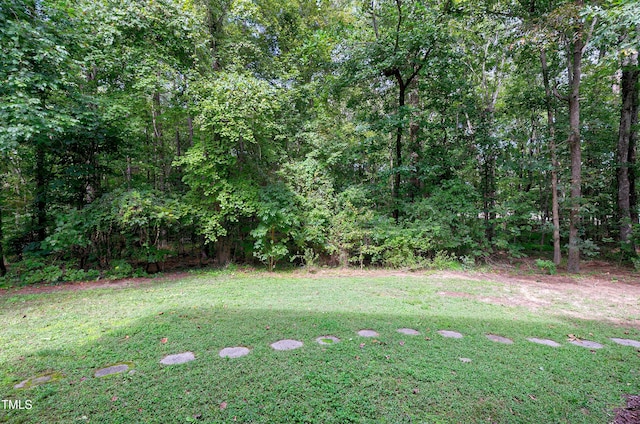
(121, 269)
(547, 266)
(278, 223)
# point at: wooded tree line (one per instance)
(386, 132)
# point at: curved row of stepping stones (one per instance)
(288, 344)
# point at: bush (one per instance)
(546, 265)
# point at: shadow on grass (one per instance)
(392, 378)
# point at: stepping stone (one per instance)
(626, 342)
(286, 344)
(465, 360)
(587, 344)
(325, 340)
(179, 358)
(367, 333)
(499, 339)
(234, 352)
(38, 380)
(450, 334)
(113, 369)
(545, 342)
(409, 331)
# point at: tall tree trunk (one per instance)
(627, 137)
(158, 146)
(555, 210)
(395, 190)
(575, 75)
(3, 268)
(41, 193)
(415, 147)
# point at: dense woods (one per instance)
(382, 132)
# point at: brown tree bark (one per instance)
(555, 210)
(3, 268)
(627, 138)
(41, 193)
(578, 44)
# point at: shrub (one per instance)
(546, 265)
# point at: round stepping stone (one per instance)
(234, 352)
(465, 360)
(499, 339)
(545, 342)
(325, 340)
(38, 380)
(450, 334)
(113, 369)
(587, 344)
(178, 358)
(286, 344)
(626, 342)
(409, 331)
(367, 333)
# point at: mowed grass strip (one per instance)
(391, 378)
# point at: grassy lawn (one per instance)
(393, 378)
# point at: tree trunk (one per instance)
(555, 210)
(41, 194)
(627, 137)
(395, 190)
(575, 75)
(3, 268)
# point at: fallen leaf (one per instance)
(427, 338)
(163, 340)
(267, 327)
(161, 313)
(361, 345)
(83, 378)
(416, 391)
(197, 417)
(115, 398)
(573, 337)
(223, 406)
(401, 343)
(533, 397)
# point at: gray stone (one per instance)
(409, 331)
(33, 381)
(465, 360)
(587, 344)
(367, 333)
(325, 340)
(179, 358)
(626, 342)
(234, 352)
(286, 344)
(450, 334)
(38, 380)
(499, 339)
(114, 369)
(545, 342)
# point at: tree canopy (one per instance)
(378, 132)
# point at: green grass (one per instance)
(394, 378)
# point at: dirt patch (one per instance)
(85, 285)
(610, 295)
(630, 414)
